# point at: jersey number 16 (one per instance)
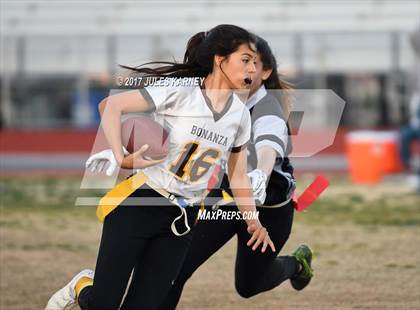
(185, 167)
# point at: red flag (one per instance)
(311, 193)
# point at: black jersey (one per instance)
(269, 128)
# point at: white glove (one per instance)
(258, 182)
(103, 160)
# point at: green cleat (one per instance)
(303, 255)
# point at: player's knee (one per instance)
(245, 291)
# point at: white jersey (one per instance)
(199, 137)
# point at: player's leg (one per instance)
(157, 269)
(208, 236)
(155, 272)
(118, 252)
(121, 245)
(256, 272)
(406, 136)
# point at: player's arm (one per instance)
(241, 189)
(266, 157)
(239, 181)
(111, 109)
(271, 138)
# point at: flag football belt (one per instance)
(119, 193)
(227, 199)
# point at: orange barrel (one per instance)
(371, 154)
(363, 157)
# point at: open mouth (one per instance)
(247, 81)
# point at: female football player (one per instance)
(256, 272)
(149, 238)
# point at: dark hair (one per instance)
(274, 81)
(222, 40)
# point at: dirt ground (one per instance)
(366, 243)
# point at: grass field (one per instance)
(366, 242)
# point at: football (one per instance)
(140, 130)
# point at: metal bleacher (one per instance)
(75, 35)
(53, 52)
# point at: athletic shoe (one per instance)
(66, 296)
(303, 255)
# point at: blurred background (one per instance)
(59, 58)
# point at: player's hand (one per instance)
(103, 160)
(258, 181)
(259, 235)
(137, 160)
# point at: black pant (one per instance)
(255, 272)
(137, 237)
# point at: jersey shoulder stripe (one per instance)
(268, 105)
